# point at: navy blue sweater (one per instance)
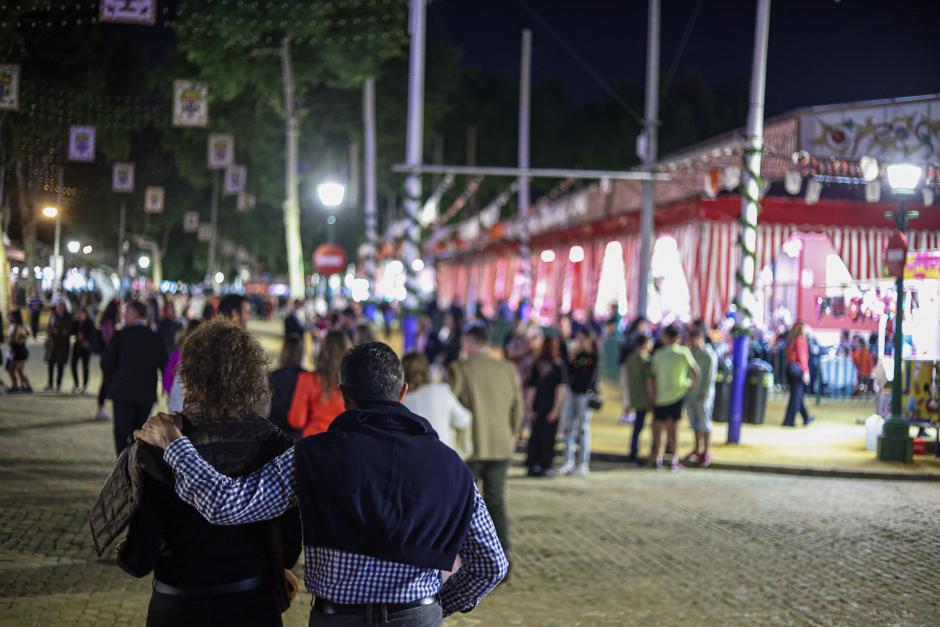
(380, 483)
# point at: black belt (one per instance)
(243, 585)
(372, 612)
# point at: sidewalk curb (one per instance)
(801, 471)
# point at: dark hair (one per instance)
(417, 370)
(292, 351)
(476, 332)
(635, 323)
(111, 311)
(231, 304)
(139, 308)
(329, 360)
(17, 317)
(550, 343)
(671, 332)
(371, 372)
(695, 332)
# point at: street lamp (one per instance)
(74, 246)
(87, 249)
(331, 195)
(895, 443)
(54, 213)
(144, 262)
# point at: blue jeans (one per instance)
(578, 419)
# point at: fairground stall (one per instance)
(821, 239)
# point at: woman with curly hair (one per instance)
(206, 574)
(317, 399)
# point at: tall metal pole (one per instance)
(525, 82)
(413, 157)
(4, 272)
(649, 150)
(56, 262)
(750, 208)
(295, 263)
(213, 239)
(370, 205)
(122, 254)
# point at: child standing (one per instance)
(701, 399)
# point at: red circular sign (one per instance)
(329, 259)
(896, 254)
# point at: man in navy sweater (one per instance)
(387, 509)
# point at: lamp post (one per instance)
(54, 214)
(895, 442)
(331, 196)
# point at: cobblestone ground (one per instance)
(617, 548)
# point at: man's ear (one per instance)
(348, 403)
(404, 390)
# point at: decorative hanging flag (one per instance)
(129, 11)
(153, 200)
(204, 234)
(82, 143)
(190, 103)
(122, 177)
(221, 151)
(234, 179)
(9, 87)
(190, 222)
(246, 201)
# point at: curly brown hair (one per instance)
(224, 370)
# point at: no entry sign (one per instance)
(329, 259)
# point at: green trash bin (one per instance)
(722, 408)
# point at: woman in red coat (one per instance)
(797, 375)
(317, 399)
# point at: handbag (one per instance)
(594, 400)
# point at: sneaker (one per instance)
(628, 419)
(76, 389)
(566, 469)
(48, 388)
(809, 421)
(102, 415)
(692, 458)
(583, 470)
(676, 465)
(658, 463)
(705, 461)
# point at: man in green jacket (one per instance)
(490, 388)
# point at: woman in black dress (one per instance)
(545, 397)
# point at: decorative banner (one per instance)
(9, 87)
(190, 222)
(122, 177)
(129, 11)
(204, 234)
(190, 103)
(82, 143)
(234, 179)
(246, 201)
(889, 132)
(153, 200)
(221, 151)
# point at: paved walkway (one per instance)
(620, 547)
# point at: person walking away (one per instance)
(639, 385)
(583, 370)
(58, 342)
(317, 399)
(674, 374)
(701, 399)
(636, 331)
(35, 307)
(284, 382)
(205, 574)
(797, 352)
(864, 365)
(517, 348)
(436, 403)
(491, 390)
(85, 333)
(545, 398)
(169, 326)
(292, 324)
(385, 505)
(19, 353)
(106, 329)
(131, 362)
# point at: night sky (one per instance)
(821, 51)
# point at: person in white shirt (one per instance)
(436, 403)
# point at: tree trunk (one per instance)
(295, 263)
(27, 221)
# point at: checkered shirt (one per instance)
(328, 573)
